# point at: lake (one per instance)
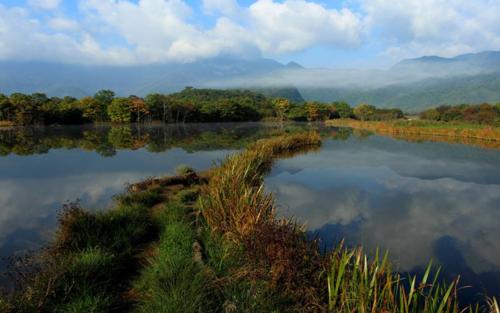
(43, 168)
(419, 200)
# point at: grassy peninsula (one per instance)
(211, 242)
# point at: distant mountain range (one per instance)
(411, 84)
(425, 82)
(58, 79)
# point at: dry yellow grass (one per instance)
(479, 135)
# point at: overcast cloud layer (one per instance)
(152, 31)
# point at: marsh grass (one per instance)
(88, 266)
(172, 281)
(419, 130)
(234, 202)
(217, 246)
(184, 169)
(356, 284)
(6, 124)
(270, 256)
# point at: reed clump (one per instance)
(234, 202)
(273, 256)
(87, 267)
(481, 135)
(214, 244)
(356, 284)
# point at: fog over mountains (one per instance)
(411, 84)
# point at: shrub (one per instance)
(184, 169)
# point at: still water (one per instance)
(421, 201)
(43, 168)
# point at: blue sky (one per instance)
(327, 33)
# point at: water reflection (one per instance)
(42, 168)
(421, 201)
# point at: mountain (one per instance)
(412, 84)
(293, 65)
(465, 64)
(290, 93)
(57, 79)
(424, 82)
(415, 97)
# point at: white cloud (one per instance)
(162, 31)
(23, 38)
(63, 24)
(295, 25)
(148, 31)
(434, 27)
(45, 4)
(151, 31)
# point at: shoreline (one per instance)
(469, 134)
(211, 242)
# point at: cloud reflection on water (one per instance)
(416, 200)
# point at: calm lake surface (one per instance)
(421, 201)
(43, 168)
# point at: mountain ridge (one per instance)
(410, 84)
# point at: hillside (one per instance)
(417, 96)
(78, 80)
(412, 84)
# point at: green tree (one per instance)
(431, 114)
(497, 108)
(38, 99)
(364, 112)
(342, 109)
(6, 108)
(26, 112)
(313, 111)
(71, 111)
(138, 108)
(119, 110)
(158, 106)
(104, 97)
(281, 107)
(91, 109)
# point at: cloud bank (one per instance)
(154, 31)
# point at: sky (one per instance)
(314, 33)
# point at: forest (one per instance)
(479, 114)
(190, 105)
(193, 105)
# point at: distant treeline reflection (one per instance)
(106, 140)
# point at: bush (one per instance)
(184, 169)
(188, 195)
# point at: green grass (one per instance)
(356, 284)
(218, 248)
(91, 261)
(173, 280)
(437, 124)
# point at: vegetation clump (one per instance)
(484, 113)
(190, 105)
(419, 130)
(216, 245)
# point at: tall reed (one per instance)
(481, 135)
(356, 284)
(234, 201)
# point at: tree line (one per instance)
(484, 113)
(189, 105)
